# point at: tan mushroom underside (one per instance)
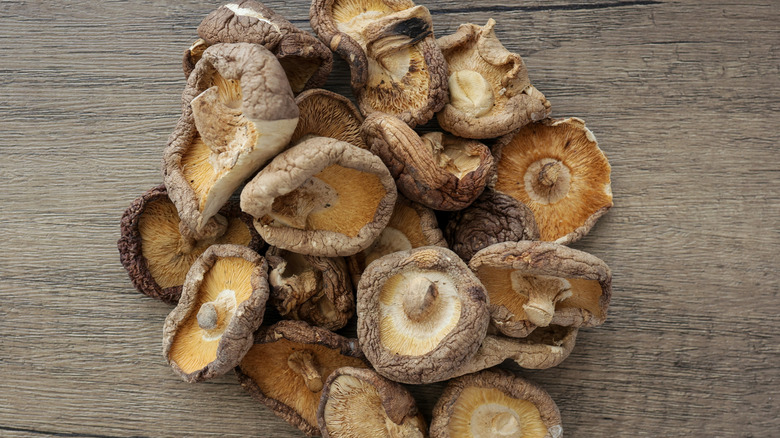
(490, 413)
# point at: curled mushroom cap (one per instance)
(493, 404)
(327, 114)
(322, 197)
(556, 168)
(359, 403)
(221, 305)
(490, 93)
(397, 68)
(155, 253)
(288, 366)
(421, 314)
(313, 289)
(437, 170)
(535, 284)
(238, 113)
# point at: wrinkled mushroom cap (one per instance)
(322, 197)
(287, 368)
(490, 93)
(556, 168)
(421, 314)
(359, 403)
(327, 114)
(494, 404)
(221, 305)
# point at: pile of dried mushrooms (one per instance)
(288, 202)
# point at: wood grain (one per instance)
(683, 97)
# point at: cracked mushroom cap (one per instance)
(421, 314)
(556, 168)
(221, 305)
(490, 93)
(492, 218)
(287, 368)
(493, 404)
(313, 289)
(238, 113)
(155, 253)
(437, 170)
(327, 114)
(359, 403)
(322, 197)
(397, 67)
(535, 284)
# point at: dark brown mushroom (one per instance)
(327, 114)
(359, 403)
(421, 314)
(439, 171)
(397, 67)
(313, 289)
(238, 112)
(157, 256)
(556, 168)
(322, 197)
(490, 93)
(221, 305)
(493, 404)
(288, 366)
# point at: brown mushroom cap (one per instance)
(397, 68)
(556, 168)
(238, 113)
(421, 314)
(313, 289)
(322, 197)
(533, 284)
(359, 403)
(221, 305)
(288, 366)
(439, 171)
(157, 256)
(327, 114)
(495, 403)
(490, 93)
(492, 218)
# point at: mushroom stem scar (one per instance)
(208, 316)
(187, 244)
(420, 297)
(505, 424)
(304, 364)
(549, 173)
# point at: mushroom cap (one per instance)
(490, 93)
(397, 67)
(421, 314)
(556, 168)
(492, 218)
(221, 305)
(322, 197)
(358, 403)
(439, 171)
(523, 279)
(238, 112)
(156, 255)
(313, 289)
(266, 374)
(327, 114)
(495, 403)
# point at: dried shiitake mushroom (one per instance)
(359, 403)
(322, 197)
(157, 256)
(437, 170)
(238, 113)
(327, 114)
(492, 218)
(397, 68)
(421, 314)
(313, 289)
(535, 284)
(221, 305)
(490, 93)
(287, 368)
(556, 168)
(494, 404)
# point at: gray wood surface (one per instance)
(683, 97)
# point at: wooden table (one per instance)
(683, 99)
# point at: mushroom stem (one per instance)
(419, 299)
(208, 316)
(187, 244)
(505, 424)
(304, 364)
(549, 173)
